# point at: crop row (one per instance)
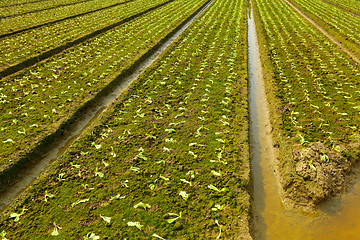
(35, 102)
(343, 25)
(348, 5)
(25, 21)
(5, 3)
(318, 89)
(21, 47)
(12, 11)
(169, 159)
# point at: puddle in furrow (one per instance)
(25, 178)
(337, 219)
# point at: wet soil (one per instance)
(319, 173)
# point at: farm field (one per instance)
(23, 9)
(35, 42)
(14, 23)
(317, 87)
(342, 23)
(171, 155)
(186, 149)
(44, 108)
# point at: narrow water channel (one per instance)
(337, 219)
(86, 120)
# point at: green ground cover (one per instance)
(315, 97)
(5, 3)
(9, 10)
(168, 160)
(347, 5)
(340, 23)
(36, 101)
(20, 22)
(19, 47)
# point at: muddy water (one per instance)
(337, 219)
(24, 179)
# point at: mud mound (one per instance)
(319, 173)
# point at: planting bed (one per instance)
(5, 3)
(315, 92)
(34, 43)
(17, 10)
(48, 94)
(21, 22)
(352, 6)
(169, 159)
(342, 24)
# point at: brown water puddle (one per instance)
(337, 219)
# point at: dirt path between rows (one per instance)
(351, 54)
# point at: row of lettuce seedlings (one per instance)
(48, 94)
(168, 160)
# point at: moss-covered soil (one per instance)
(169, 159)
(312, 87)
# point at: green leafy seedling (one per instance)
(212, 187)
(48, 195)
(177, 216)
(16, 216)
(142, 205)
(55, 232)
(218, 174)
(184, 195)
(79, 201)
(3, 235)
(135, 224)
(91, 236)
(220, 227)
(157, 236)
(106, 219)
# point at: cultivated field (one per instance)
(170, 158)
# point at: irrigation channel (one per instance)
(336, 219)
(91, 115)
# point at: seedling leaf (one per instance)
(135, 224)
(157, 236)
(184, 195)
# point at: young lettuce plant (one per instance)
(217, 207)
(79, 201)
(141, 154)
(220, 227)
(91, 236)
(106, 219)
(48, 195)
(117, 197)
(3, 235)
(212, 187)
(164, 178)
(187, 182)
(157, 236)
(16, 216)
(135, 224)
(55, 232)
(142, 205)
(312, 165)
(324, 157)
(184, 195)
(218, 174)
(177, 216)
(97, 173)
